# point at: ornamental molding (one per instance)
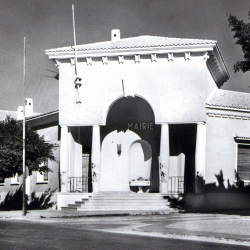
(153, 57)
(89, 60)
(218, 107)
(121, 59)
(187, 56)
(217, 66)
(228, 116)
(137, 59)
(105, 60)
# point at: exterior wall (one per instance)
(50, 133)
(176, 90)
(221, 146)
(217, 201)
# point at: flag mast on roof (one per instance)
(78, 79)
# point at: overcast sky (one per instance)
(47, 24)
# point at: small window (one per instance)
(43, 176)
(243, 162)
(14, 180)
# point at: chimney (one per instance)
(28, 107)
(115, 35)
(19, 112)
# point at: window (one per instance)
(243, 162)
(43, 177)
(14, 180)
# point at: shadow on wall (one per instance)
(235, 199)
(14, 200)
(238, 187)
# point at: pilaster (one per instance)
(96, 157)
(64, 159)
(164, 158)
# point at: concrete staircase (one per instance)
(116, 201)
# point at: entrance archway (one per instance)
(114, 172)
(126, 116)
(140, 160)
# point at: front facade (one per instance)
(146, 114)
(144, 111)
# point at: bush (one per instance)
(14, 200)
(42, 202)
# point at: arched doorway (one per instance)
(140, 160)
(114, 172)
(128, 120)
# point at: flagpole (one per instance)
(77, 78)
(24, 167)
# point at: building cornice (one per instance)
(233, 109)
(217, 66)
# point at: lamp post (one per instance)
(24, 167)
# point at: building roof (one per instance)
(135, 43)
(43, 120)
(148, 45)
(229, 99)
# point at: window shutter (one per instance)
(243, 163)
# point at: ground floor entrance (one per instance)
(132, 153)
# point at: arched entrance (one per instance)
(130, 123)
(140, 160)
(114, 172)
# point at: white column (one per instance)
(96, 157)
(164, 158)
(200, 157)
(64, 159)
(200, 151)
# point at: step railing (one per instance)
(79, 184)
(176, 184)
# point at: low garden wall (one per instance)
(217, 201)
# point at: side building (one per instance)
(36, 182)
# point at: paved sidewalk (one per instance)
(41, 214)
(223, 228)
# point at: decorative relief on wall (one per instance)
(187, 56)
(105, 60)
(89, 60)
(170, 57)
(228, 116)
(206, 57)
(163, 174)
(121, 59)
(137, 59)
(153, 57)
(95, 171)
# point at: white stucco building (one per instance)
(146, 114)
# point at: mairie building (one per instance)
(145, 116)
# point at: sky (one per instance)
(47, 24)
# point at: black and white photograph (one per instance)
(125, 124)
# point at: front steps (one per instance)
(115, 201)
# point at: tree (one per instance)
(242, 34)
(11, 149)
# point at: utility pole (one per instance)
(24, 167)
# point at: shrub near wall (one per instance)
(14, 200)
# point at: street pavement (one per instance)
(231, 229)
